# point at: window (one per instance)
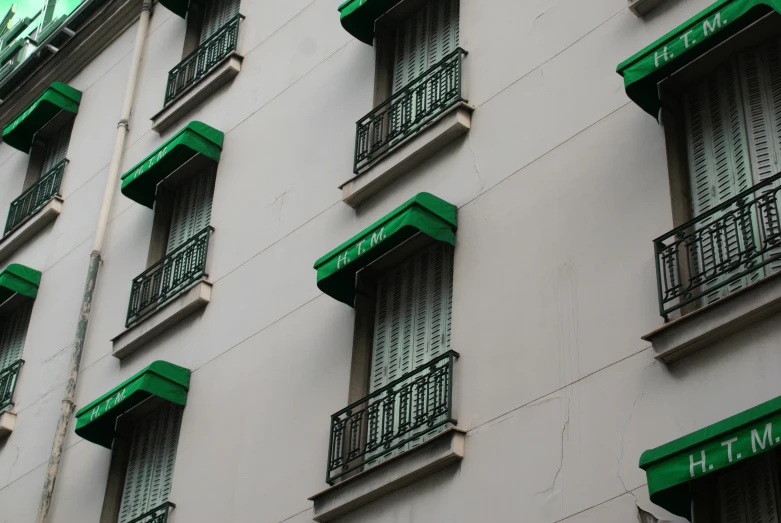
(192, 209)
(216, 14)
(150, 466)
(13, 331)
(747, 492)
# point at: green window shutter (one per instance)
(57, 148)
(13, 332)
(151, 464)
(749, 494)
(192, 208)
(218, 13)
(718, 159)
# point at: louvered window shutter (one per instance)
(412, 323)
(218, 13)
(718, 162)
(13, 332)
(192, 208)
(151, 465)
(424, 39)
(749, 494)
(57, 148)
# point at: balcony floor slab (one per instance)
(48, 213)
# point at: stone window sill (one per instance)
(188, 100)
(349, 495)
(7, 423)
(161, 319)
(13, 241)
(418, 148)
(705, 326)
(643, 7)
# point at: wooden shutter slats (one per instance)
(13, 332)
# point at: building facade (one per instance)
(390, 261)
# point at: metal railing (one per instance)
(390, 418)
(723, 249)
(8, 377)
(35, 197)
(158, 514)
(198, 63)
(169, 277)
(409, 111)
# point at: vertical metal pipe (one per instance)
(68, 405)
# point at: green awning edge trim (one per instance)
(19, 279)
(671, 466)
(177, 7)
(423, 213)
(96, 422)
(358, 17)
(140, 183)
(644, 70)
(20, 132)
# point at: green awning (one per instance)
(21, 132)
(18, 279)
(643, 71)
(358, 17)
(424, 213)
(97, 421)
(669, 468)
(177, 7)
(140, 183)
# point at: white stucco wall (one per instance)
(561, 185)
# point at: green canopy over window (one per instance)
(140, 183)
(643, 71)
(18, 279)
(424, 213)
(177, 7)
(97, 421)
(358, 17)
(21, 132)
(669, 468)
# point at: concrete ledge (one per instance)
(349, 495)
(643, 7)
(11, 243)
(216, 78)
(7, 423)
(709, 324)
(418, 148)
(162, 319)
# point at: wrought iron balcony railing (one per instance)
(198, 63)
(726, 248)
(35, 197)
(8, 378)
(158, 514)
(396, 415)
(169, 277)
(409, 111)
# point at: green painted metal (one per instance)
(423, 213)
(34, 198)
(19, 279)
(711, 26)
(8, 378)
(670, 467)
(156, 515)
(21, 132)
(358, 17)
(177, 7)
(140, 183)
(197, 64)
(96, 422)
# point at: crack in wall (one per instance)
(621, 455)
(564, 428)
(476, 165)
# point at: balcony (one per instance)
(34, 198)
(211, 65)
(8, 378)
(169, 278)
(717, 272)
(412, 124)
(157, 515)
